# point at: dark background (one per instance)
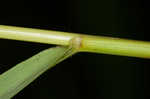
(85, 75)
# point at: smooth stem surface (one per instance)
(98, 44)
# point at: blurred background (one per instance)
(84, 75)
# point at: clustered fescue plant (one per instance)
(18, 77)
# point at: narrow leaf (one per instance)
(18, 77)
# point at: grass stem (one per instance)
(97, 44)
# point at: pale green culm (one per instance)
(89, 43)
(18, 77)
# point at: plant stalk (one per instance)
(96, 44)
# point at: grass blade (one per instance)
(15, 79)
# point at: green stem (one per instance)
(98, 44)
